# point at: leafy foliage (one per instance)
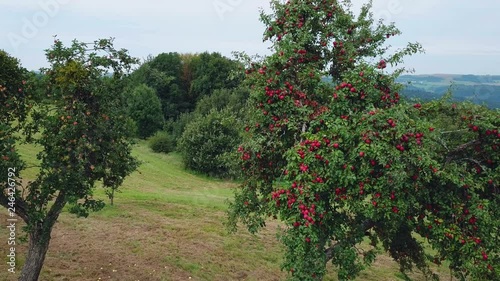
(233, 100)
(163, 74)
(340, 161)
(175, 127)
(88, 112)
(162, 142)
(12, 89)
(181, 80)
(83, 131)
(205, 141)
(212, 71)
(144, 107)
(14, 106)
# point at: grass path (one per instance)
(166, 224)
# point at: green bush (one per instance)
(162, 142)
(206, 140)
(231, 99)
(144, 107)
(175, 127)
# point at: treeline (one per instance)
(191, 103)
(471, 78)
(195, 104)
(487, 95)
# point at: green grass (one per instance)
(161, 178)
(166, 224)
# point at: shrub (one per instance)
(145, 110)
(206, 140)
(162, 142)
(232, 99)
(175, 127)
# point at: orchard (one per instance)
(343, 160)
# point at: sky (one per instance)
(459, 36)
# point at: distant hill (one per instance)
(480, 89)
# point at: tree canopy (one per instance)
(338, 163)
(81, 127)
(144, 107)
(181, 80)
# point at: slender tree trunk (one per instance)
(37, 248)
(112, 196)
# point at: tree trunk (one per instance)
(112, 196)
(37, 248)
(39, 241)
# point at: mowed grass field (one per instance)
(166, 224)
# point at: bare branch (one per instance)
(456, 131)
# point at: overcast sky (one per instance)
(460, 36)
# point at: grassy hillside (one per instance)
(166, 224)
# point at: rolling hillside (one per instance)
(480, 89)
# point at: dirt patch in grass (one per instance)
(147, 245)
(169, 242)
(166, 225)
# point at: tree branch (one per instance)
(459, 149)
(365, 226)
(20, 207)
(456, 131)
(329, 252)
(56, 209)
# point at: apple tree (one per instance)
(81, 127)
(14, 107)
(333, 152)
